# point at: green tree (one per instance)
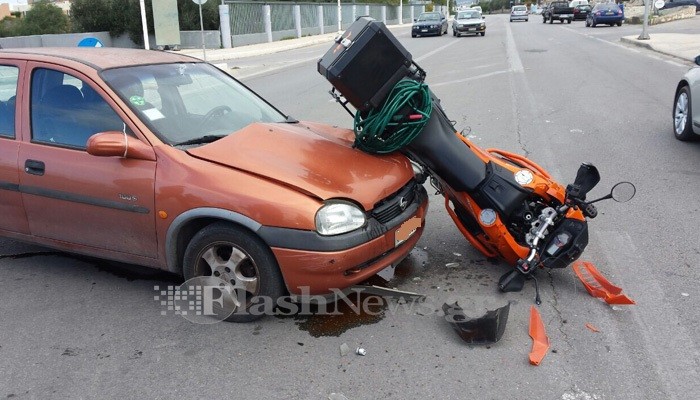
(188, 14)
(91, 15)
(44, 18)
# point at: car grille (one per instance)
(394, 205)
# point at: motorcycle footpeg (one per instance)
(512, 281)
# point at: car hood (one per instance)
(314, 158)
(427, 23)
(469, 21)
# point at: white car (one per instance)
(518, 13)
(686, 114)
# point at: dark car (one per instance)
(681, 3)
(610, 14)
(581, 12)
(429, 23)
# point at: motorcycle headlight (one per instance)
(338, 217)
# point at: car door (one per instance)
(69, 195)
(11, 209)
(694, 80)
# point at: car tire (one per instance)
(619, 23)
(413, 35)
(483, 33)
(454, 33)
(526, 19)
(593, 24)
(255, 273)
(544, 20)
(551, 20)
(682, 115)
(568, 21)
(588, 24)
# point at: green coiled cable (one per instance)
(399, 120)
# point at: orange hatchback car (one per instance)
(163, 160)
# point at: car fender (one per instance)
(172, 251)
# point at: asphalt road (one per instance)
(561, 94)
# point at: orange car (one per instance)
(162, 160)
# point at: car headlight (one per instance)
(338, 217)
(483, 25)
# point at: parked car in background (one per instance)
(686, 112)
(581, 12)
(681, 3)
(477, 8)
(519, 13)
(162, 160)
(429, 23)
(558, 11)
(575, 3)
(609, 14)
(468, 21)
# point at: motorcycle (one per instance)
(504, 204)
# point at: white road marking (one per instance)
(471, 78)
(439, 49)
(512, 52)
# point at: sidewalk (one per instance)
(681, 45)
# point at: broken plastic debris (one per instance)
(337, 396)
(416, 279)
(540, 341)
(458, 254)
(592, 327)
(452, 265)
(483, 330)
(360, 351)
(597, 286)
(685, 294)
(344, 349)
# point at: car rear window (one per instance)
(519, 8)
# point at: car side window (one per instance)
(66, 111)
(8, 92)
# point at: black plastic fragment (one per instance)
(483, 330)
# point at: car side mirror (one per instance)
(415, 19)
(697, 60)
(119, 144)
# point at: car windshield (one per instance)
(468, 15)
(429, 17)
(189, 102)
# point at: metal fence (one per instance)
(258, 22)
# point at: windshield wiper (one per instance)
(291, 120)
(201, 140)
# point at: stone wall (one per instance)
(636, 17)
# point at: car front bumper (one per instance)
(320, 271)
(426, 30)
(470, 29)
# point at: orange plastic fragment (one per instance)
(597, 286)
(592, 328)
(540, 341)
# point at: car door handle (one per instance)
(34, 167)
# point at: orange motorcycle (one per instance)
(504, 204)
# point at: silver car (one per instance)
(519, 13)
(686, 114)
(468, 21)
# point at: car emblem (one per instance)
(403, 203)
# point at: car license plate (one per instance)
(406, 230)
(424, 30)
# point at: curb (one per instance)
(639, 43)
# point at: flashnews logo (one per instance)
(202, 300)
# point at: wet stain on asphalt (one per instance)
(358, 309)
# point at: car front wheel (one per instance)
(682, 115)
(242, 262)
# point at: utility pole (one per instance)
(144, 25)
(645, 35)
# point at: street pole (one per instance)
(144, 25)
(645, 35)
(340, 17)
(201, 25)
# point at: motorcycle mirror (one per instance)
(623, 192)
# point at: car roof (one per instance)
(99, 58)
